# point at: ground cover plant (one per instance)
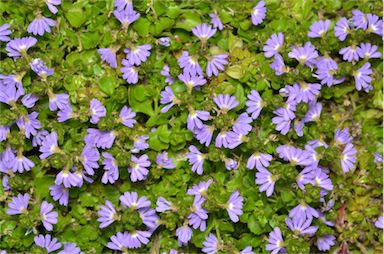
(165, 126)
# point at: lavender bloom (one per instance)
(97, 110)
(359, 20)
(111, 171)
(342, 137)
(139, 143)
(60, 193)
(319, 28)
(192, 81)
(254, 104)
(45, 242)
(22, 163)
(242, 124)
(305, 55)
(195, 118)
(278, 65)
(348, 158)
(132, 200)
(70, 248)
(379, 223)
(215, 21)
(247, 250)
(235, 139)
(40, 25)
(184, 234)
(325, 242)
(189, 64)
(68, 179)
(100, 139)
(363, 77)
(136, 239)
(49, 145)
(342, 29)
(4, 32)
(301, 226)
(378, 158)
(65, 114)
(367, 51)
(226, 102)
(303, 211)
(123, 4)
(130, 73)
(259, 160)
(230, 164)
(196, 159)
(165, 73)
(89, 158)
(204, 135)
(165, 41)
(163, 205)
(18, 205)
(222, 139)
(29, 124)
(107, 214)
(349, 53)
(305, 177)
(297, 156)
(126, 16)
(273, 45)
(282, 120)
(4, 130)
(47, 216)
(322, 180)
(298, 127)
(308, 92)
(138, 54)
(39, 67)
(163, 161)
(210, 244)
(375, 25)
(108, 55)
(258, 13)
(203, 32)
(200, 189)
(326, 72)
(11, 94)
(58, 101)
(149, 218)
(215, 64)
(234, 206)
(51, 4)
(119, 241)
(167, 97)
(275, 241)
(266, 181)
(29, 100)
(138, 168)
(18, 46)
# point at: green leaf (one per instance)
(141, 26)
(76, 16)
(235, 71)
(107, 85)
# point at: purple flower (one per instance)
(211, 244)
(123, 4)
(308, 92)
(130, 73)
(225, 102)
(254, 104)
(184, 234)
(235, 139)
(222, 139)
(342, 29)
(65, 113)
(204, 135)
(275, 241)
(100, 139)
(303, 211)
(378, 158)
(47, 216)
(247, 250)
(108, 55)
(138, 54)
(266, 181)
(342, 137)
(18, 46)
(326, 70)
(258, 13)
(49, 145)
(259, 160)
(51, 4)
(135, 240)
(58, 101)
(165, 73)
(60, 193)
(45, 242)
(319, 28)
(29, 124)
(282, 120)
(348, 158)
(215, 21)
(18, 205)
(367, 51)
(273, 45)
(138, 167)
(242, 124)
(167, 97)
(111, 171)
(301, 225)
(189, 64)
(305, 55)
(216, 63)
(68, 179)
(363, 77)
(379, 223)
(325, 242)
(196, 159)
(192, 81)
(70, 248)
(4, 130)
(203, 32)
(89, 158)
(41, 25)
(126, 16)
(4, 32)
(39, 67)
(375, 25)
(97, 110)
(349, 53)
(163, 205)
(296, 156)
(359, 20)
(164, 41)
(230, 164)
(195, 118)
(163, 161)
(107, 214)
(278, 65)
(322, 180)
(149, 218)
(313, 113)
(119, 241)
(132, 200)
(139, 143)
(200, 189)
(21, 163)
(234, 206)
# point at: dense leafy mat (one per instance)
(191, 126)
